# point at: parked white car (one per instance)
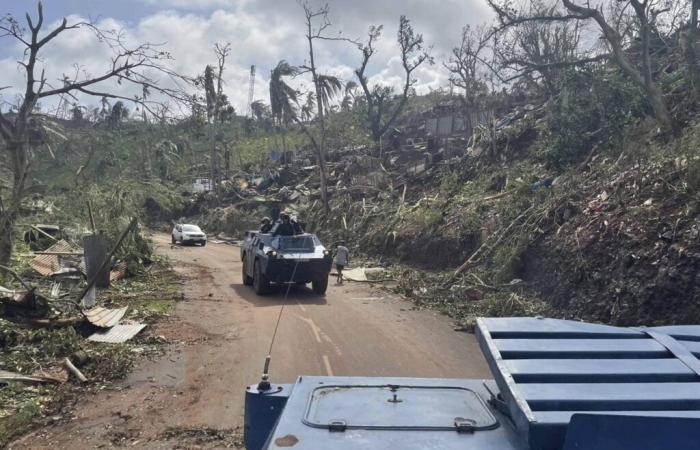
(188, 234)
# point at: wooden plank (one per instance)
(563, 417)
(530, 327)
(580, 348)
(611, 397)
(595, 371)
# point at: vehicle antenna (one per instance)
(264, 384)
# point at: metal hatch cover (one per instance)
(398, 407)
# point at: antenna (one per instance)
(264, 384)
(251, 91)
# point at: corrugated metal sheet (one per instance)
(103, 317)
(119, 272)
(118, 334)
(48, 264)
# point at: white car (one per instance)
(188, 234)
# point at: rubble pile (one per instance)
(64, 319)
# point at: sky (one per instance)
(261, 33)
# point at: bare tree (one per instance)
(317, 28)
(382, 108)
(128, 65)
(641, 76)
(466, 65)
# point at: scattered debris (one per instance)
(59, 256)
(7, 377)
(365, 274)
(74, 370)
(119, 272)
(103, 317)
(118, 334)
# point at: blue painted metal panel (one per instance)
(548, 370)
(262, 410)
(523, 327)
(593, 371)
(292, 432)
(632, 433)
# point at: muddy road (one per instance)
(220, 334)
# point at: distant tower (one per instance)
(251, 90)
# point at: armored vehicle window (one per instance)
(296, 243)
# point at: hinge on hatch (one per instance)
(463, 425)
(337, 425)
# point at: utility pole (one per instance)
(251, 91)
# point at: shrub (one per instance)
(593, 107)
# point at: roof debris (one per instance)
(103, 317)
(118, 334)
(57, 257)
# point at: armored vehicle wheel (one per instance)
(261, 285)
(320, 285)
(247, 281)
(204, 243)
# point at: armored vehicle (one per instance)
(298, 259)
(557, 385)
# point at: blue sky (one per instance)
(261, 32)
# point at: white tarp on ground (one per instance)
(364, 274)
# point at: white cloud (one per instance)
(261, 32)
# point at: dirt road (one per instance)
(221, 333)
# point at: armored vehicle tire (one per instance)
(247, 281)
(261, 285)
(320, 285)
(204, 243)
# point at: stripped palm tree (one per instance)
(329, 87)
(307, 109)
(283, 97)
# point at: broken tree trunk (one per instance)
(75, 371)
(16, 277)
(473, 259)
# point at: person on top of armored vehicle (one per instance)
(265, 225)
(284, 228)
(298, 225)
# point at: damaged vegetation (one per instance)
(558, 175)
(53, 325)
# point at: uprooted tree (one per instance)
(382, 107)
(18, 129)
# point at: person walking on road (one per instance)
(341, 260)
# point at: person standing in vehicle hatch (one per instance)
(341, 260)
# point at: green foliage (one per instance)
(256, 150)
(20, 406)
(593, 108)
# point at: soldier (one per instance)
(285, 228)
(266, 225)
